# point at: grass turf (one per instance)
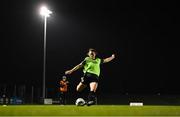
(97, 110)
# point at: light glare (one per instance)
(45, 12)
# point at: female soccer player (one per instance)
(91, 69)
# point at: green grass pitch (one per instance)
(96, 110)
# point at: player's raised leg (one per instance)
(80, 87)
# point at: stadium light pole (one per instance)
(45, 12)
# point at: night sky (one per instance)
(142, 34)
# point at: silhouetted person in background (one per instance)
(63, 90)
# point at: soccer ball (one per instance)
(80, 102)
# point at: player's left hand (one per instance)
(113, 56)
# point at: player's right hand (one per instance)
(68, 72)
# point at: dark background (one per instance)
(143, 35)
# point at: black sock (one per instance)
(79, 95)
(91, 96)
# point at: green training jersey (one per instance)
(92, 65)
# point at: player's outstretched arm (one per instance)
(106, 60)
(74, 69)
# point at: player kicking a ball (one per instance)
(91, 68)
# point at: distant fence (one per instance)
(24, 94)
(12, 100)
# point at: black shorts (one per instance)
(88, 78)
